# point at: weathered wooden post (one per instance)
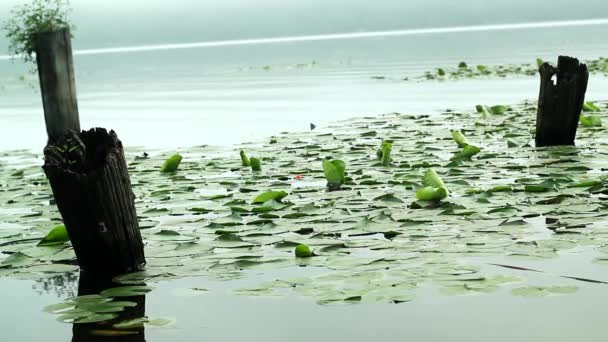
(560, 102)
(57, 82)
(90, 182)
(87, 170)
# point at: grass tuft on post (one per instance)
(29, 20)
(40, 33)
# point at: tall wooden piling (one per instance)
(57, 82)
(560, 101)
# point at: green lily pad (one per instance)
(126, 291)
(171, 164)
(270, 196)
(57, 236)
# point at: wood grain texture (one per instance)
(89, 178)
(57, 82)
(560, 101)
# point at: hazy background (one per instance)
(170, 98)
(103, 23)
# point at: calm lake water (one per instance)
(219, 315)
(167, 97)
(171, 97)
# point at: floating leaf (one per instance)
(270, 196)
(460, 139)
(94, 318)
(390, 198)
(126, 291)
(434, 189)
(541, 291)
(244, 159)
(498, 110)
(57, 236)
(467, 153)
(256, 164)
(590, 121)
(590, 107)
(384, 153)
(160, 322)
(483, 110)
(171, 164)
(334, 173)
(429, 193)
(303, 251)
(17, 260)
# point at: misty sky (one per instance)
(105, 23)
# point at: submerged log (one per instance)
(88, 174)
(560, 102)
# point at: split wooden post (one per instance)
(57, 82)
(560, 102)
(90, 182)
(87, 170)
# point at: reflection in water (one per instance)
(63, 286)
(91, 285)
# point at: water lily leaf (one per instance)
(541, 291)
(590, 121)
(334, 172)
(483, 110)
(384, 153)
(256, 164)
(270, 196)
(94, 298)
(460, 139)
(434, 189)
(303, 251)
(467, 153)
(17, 260)
(431, 178)
(126, 291)
(106, 307)
(57, 236)
(56, 308)
(590, 107)
(170, 235)
(95, 318)
(244, 159)
(171, 164)
(135, 323)
(498, 110)
(429, 193)
(389, 198)
(537, 188)
(160, 322)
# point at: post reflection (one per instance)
(94, 332)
